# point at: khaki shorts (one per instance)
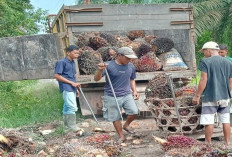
(110, 109)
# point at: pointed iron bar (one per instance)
(88, 105)
(174, 98)
(111, 86)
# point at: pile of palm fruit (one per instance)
(167, 107)
(102, 46)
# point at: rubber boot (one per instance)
(70, 121)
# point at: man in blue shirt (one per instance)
(122, 76)
(65, 74)
(214, 86)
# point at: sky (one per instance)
(53, 6)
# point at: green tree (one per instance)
(18, 17)
(211, 15)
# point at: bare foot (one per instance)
(129, 130)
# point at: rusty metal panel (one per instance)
(29, 57)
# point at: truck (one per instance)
(34, 57)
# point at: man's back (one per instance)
(219, 71)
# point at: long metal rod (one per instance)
(111, 86)
(174, 98)
(88, 105)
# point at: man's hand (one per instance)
(76, 84)
(136, 95)
(196, 99)
(98, 75)
(102, 66)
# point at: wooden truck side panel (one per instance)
(174, 21)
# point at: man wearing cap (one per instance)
(214, 88)
(223, 51)
(65, 74)
(122, 76)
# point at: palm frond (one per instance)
(207, 21)
(230, 10)
(206, 6)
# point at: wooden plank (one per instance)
(131, 25)
(141, 76)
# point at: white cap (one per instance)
(127, 51)
(210, 45)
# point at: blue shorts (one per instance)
(209, 109)
(111, 111)
(70, 103)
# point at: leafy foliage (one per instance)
(28, 102)
(18, 17)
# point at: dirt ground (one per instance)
(51, 140)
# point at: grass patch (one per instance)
(195, 81)
(29, 102)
